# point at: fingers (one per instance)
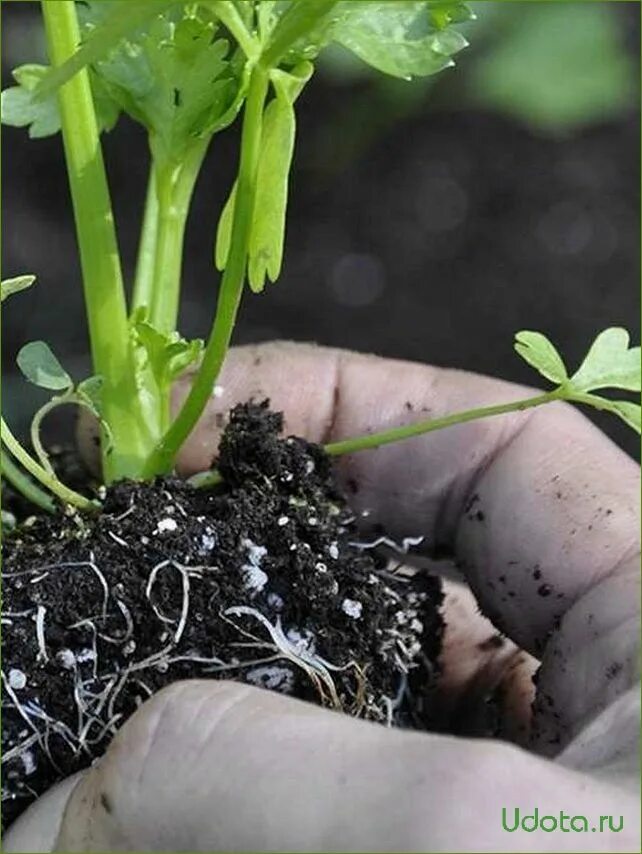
(37, 829)
(538, 506)
(591, 660)
(486, 685)
(209, 766)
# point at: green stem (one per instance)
(299, 19)
(19, 480)
(36, 423)
(68, 496)
(70, 398)
(144, 281)
(231, 287)
(174, 187)
(230, 17)
(397, 434)
(99, 257)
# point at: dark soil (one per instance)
(262, 580)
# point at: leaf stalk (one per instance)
(231, 288)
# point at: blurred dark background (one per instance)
(428, 220)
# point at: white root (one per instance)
(8, 755)
(94, 717)
(144, 686)
(110, 726)
(185, 574)
(94, 635)
(112, 700)
(40, 633)
(23, 714)
(92, 565)
(129, 510)
(391, 705)
(129, 626)
(404, 548)
(314, 666)
(58, 727)
(148, 589)
(221, 666)
(129, 620)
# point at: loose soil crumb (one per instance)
(257, 580)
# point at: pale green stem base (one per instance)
(19, 480)
(144, 279)
(174, 188)
(68, 496)
(231, 289)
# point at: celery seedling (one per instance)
(184, 71)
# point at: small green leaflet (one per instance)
(538, 351)
(15, 285)
(89, 391)
(270, 205)
(224, 231)
(20, 106)
(400, 38)
(609, 364)
(267, 235)
(302, 29)
(268, 224)
(177, 80)
(167, 356)
(42, 368)
(124, 17)
(404, 38)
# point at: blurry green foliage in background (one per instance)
(555, 66)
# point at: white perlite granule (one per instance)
(28, 762)
(352, 608)
(167, 524)
(272, 676)
(66, 658)
(255, 577)
(301, 639)
(208, 541)
(17, 679)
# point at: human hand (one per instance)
(210, 766)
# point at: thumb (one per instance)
(215, 766)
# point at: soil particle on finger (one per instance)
(261, 579)
(613, 670)
(494, 642)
